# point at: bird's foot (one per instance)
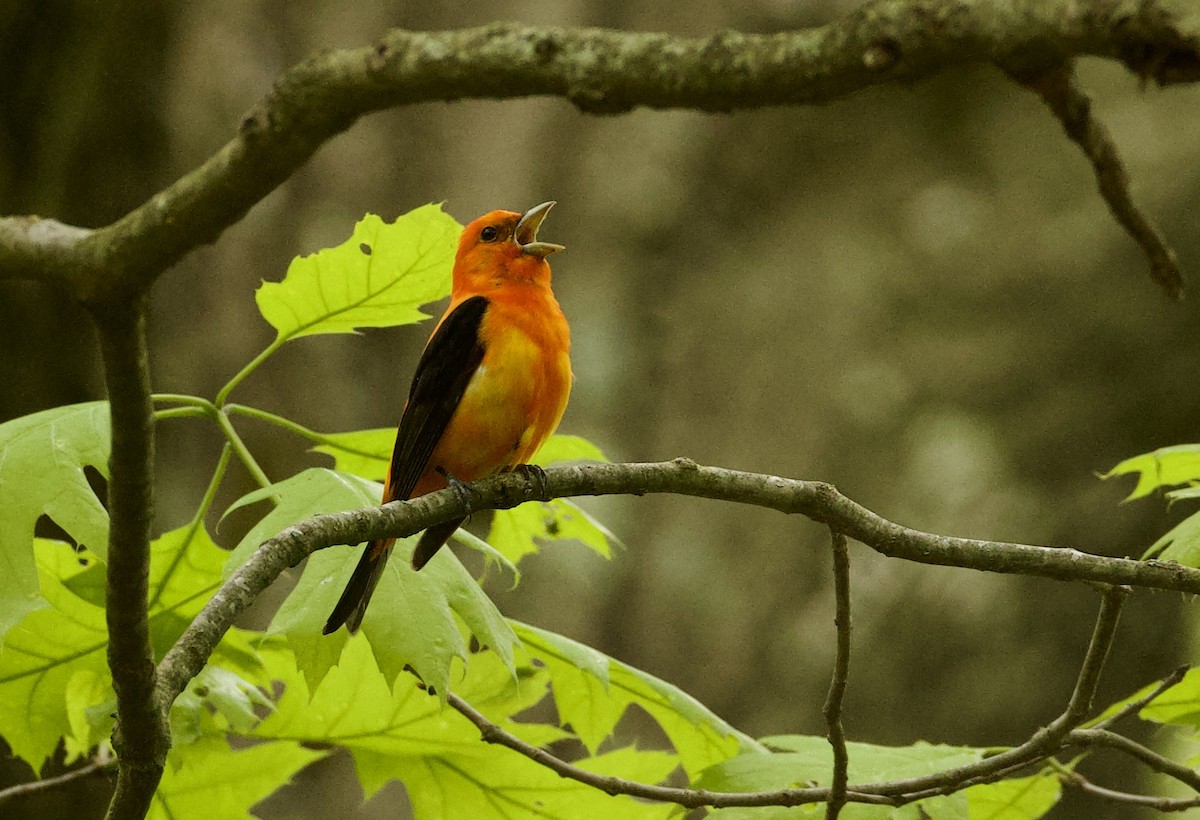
(535, 475)
(465, 492)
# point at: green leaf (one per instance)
(631, 763)
(354, 707)
(1025, 798)
(215, 702)
(42, 657)
(1179, 705)
(54, 677)
(208, 779)
(364, 453)
(518, 532)
(90, 704)
(414, 617)
(592, 691)
(1165, 467)
(808, 761)
(567, 448)
(1180, 544)
(41, 473)
(379, 277)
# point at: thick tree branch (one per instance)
(141, 737)
(818, 501)
(599, 71)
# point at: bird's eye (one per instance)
(489, 234)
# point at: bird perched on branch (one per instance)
(489, 389)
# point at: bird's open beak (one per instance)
(527, 228)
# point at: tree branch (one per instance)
(601, 72)
(1041, 745)
(141, 738)
(689, 798)
(1058, 88)
(818, 501)
(1163, 804)
(46, 784)
(1157, 762)
(841, 674)
(1135, 706)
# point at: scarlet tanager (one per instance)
(489, 389)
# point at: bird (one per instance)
(490, 387)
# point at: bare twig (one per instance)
(1135, 706)
(1157, 762)
(1045, 741)
(1057, 86)
(1163, 804)
(819, 501)
(689, 798)
(841, 674)
(46, 784)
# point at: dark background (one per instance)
(916, 294)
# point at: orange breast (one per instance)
(517, 396)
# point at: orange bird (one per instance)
(490, 387)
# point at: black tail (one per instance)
(353, 604)
(432, 540)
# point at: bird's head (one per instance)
(503, 246)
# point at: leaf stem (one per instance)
(278, 421)
(250, 367)
(243, 452)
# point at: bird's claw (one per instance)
(462, 489)
(534, 475)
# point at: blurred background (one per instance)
(916, 294)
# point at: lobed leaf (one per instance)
(592, 692)
(42, 458)
(1180, 544)
(806, 761)
(414, 617)
(209, 779)
(379, 277)
(1165, 467)
(54, 676)
(1025, 798)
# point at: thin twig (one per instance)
(1058, 88)
(1157, 762)
(841, 674)
(689, 798)
(1135, 706)
(48, 783)
(1045, 741)
(1163, 804)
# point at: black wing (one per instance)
(446, 367)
